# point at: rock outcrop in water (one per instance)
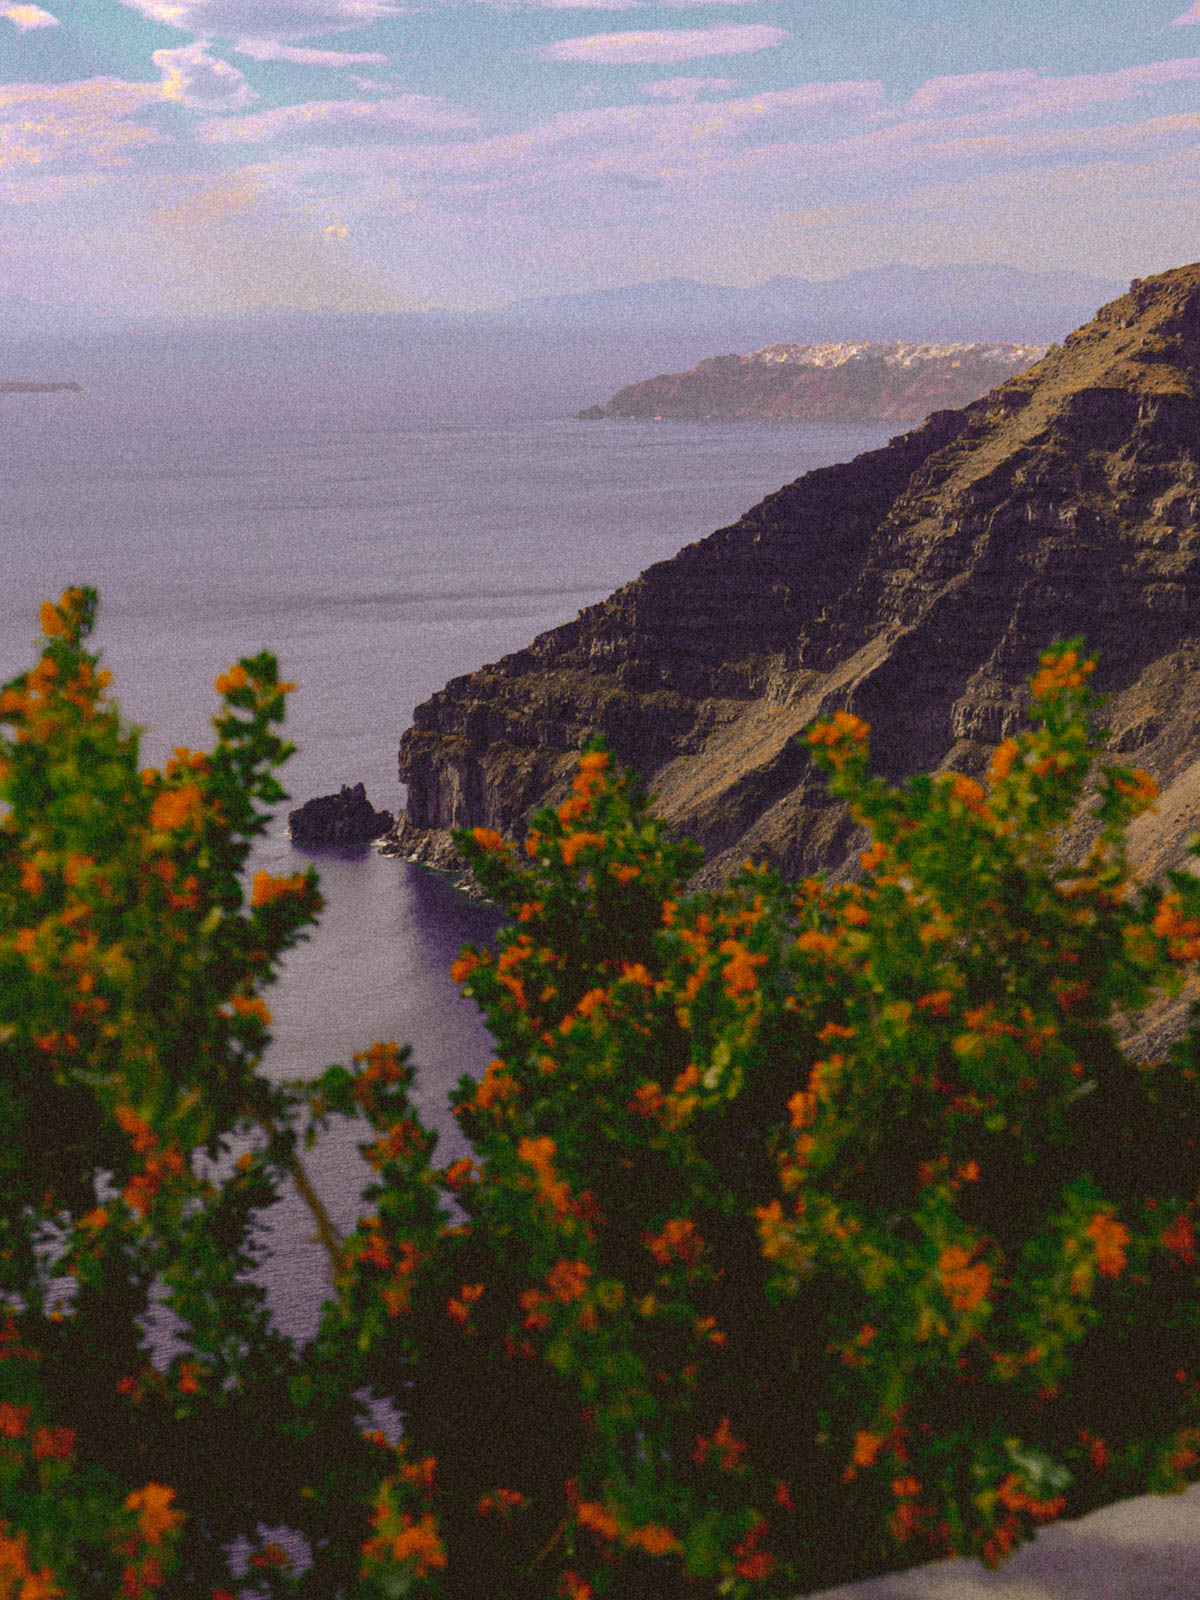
(914, 585)
(864, 382)
(347, 818)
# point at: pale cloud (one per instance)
(614, 5)
(86, 124)
(24, 17)
(1026, 92)
(1188, 16)
(240, 19)
(340, 121)
(272, 50)
(200, 81)
(664, 45)
(687, 88)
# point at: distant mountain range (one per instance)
(865, 381)
(988, 303)
(541, 357)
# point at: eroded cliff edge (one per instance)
(913, 585)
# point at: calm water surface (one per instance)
(378, 561)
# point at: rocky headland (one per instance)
(346, 818)
(848, 382)
(913, 585)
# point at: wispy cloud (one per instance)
(201, 81)
(341, 121)
(82, 125)
(1026, 92)
(687, 88)
(664, 45)
(1188, 16)
(272, 50)
(25, 17)
(283, 19)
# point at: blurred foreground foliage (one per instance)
(810, 1231)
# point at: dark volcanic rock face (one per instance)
(347, 818)
(914, 585)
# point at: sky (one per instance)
(199, 156)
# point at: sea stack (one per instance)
(914, 585)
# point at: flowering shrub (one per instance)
(808, 1231)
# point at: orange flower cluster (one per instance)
(740, 971)
(553, 1191)
(1002, 759)
(460, 1307)
(267, 889)
(678, 1241)
(173, 809)
(1110, 1238)
(503, 1501)
(1181, 933)
(1180, 1239)
(573, 844)
(843, 726)
(18, 1580)
(752, 1560)
(231, 681)
(155, 1516)
(722, 1443)
(1060, 670)
(495, 1086)
(418, 1543)
(964, 1285)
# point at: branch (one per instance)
(326, 1233)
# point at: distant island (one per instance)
(865, 381)
(21, 386)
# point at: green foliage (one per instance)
(809, 1231)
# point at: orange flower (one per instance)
(487, 839)
(1180, 1239)
(1002, 760)
(175, 808)
(419, 1542)
(495, 1086)
(267, 889)
(739, 971)
(970, 793)
(13, 1420)
(654, 1539)
(1110, 1238)
(574, 843)
(592, 1514)
(51, 619)
(936, 1003)
(964, 1285)
(568, 1280)
(155, 1517)
(462, 969)
(678, 1241)
(842, 726)
(236, 678)
(53, 1444)
(866, 1448)
(251, 1006)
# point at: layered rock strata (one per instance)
(913, 585)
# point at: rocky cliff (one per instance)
(913, 585)
(863, 382)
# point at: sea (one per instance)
(378, 556)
